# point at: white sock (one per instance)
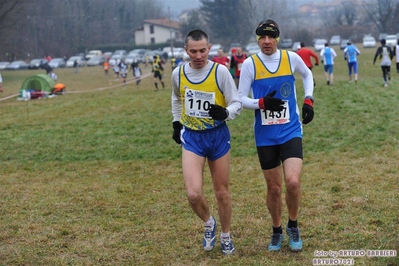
(225, 235)
(210, 222)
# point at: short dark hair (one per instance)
(196, 35)
(302, 44)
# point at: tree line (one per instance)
(35, 28)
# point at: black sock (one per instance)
(277, 230)
(163, 85)
(292, 223)
(156, 85)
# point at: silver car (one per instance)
(57, 63)
(96, 60)
(369, 42)
(16, 65)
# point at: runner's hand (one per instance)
(217, 112)
(307, 111)
(270, 103)
(176, 131)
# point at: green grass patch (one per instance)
(94, 177)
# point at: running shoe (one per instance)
(227, 245)
(275, 243)
(295, 239)
(209, 236)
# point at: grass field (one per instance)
(94, 177)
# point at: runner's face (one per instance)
(198, 52)
(267, 44)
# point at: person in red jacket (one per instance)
(236, 62)
(306, 54)
(221, 58)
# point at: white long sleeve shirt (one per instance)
(226, 85)
(272, 62)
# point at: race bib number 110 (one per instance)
(197, 103)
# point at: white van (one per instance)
(93, 53)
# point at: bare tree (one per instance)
(8, 11)
(228, 20)
(382, 13)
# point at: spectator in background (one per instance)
(157, 69)
(232, 70)
(106, 67)
(350, 55)
(76, 66)
(236, 62)
(396, 54)
(306, 54)
(179, 61)
(385, 53)
(1, 84)
(116, 69)
(328, 54)
(173, 62)
(136, 72)
(123, 68)
(221, 58)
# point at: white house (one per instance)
(157, 31)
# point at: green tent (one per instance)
(39, 82)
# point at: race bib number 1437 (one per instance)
(276, 117)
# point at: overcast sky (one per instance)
(177, 6)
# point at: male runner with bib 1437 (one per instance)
(269, 76)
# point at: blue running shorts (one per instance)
(211, 143)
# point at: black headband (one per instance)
(267, 29)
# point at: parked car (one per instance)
(3, 65)
(131, 57)
(296, 46)
(343, 44)
(57, 63)
(252, 48)
(141, 53)
(16, 65)
(177, 52)
(115, 59)
(120, 52)
(369, 41)
(382, 35)
(93, 53)
(37, 63)
(96, 60)
(285, 43)
(335, 40)
(150, 55)
(391, 40)
(319, 44)
(82, 55)
(72, 60)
